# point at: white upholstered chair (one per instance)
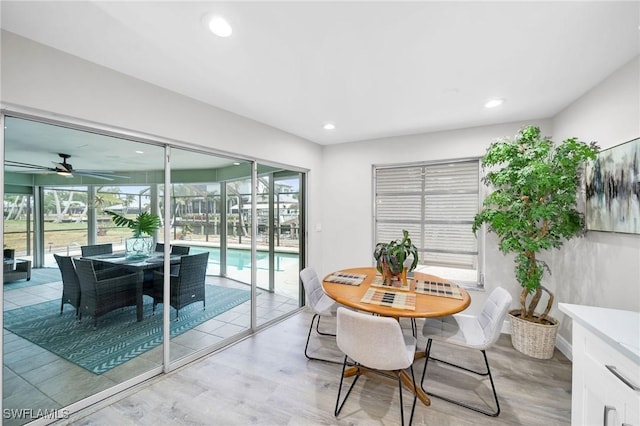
(321, 304)
(474, 332)
(377, 344)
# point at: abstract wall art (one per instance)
(613, 189)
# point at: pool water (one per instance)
(240, 259)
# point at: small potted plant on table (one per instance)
(390, 258)
(143, 226)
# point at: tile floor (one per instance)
(34, 378)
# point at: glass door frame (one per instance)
(38, 249)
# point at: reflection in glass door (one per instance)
(53, 357)
(206, 210)
(218, 306)
(278, 241)
(278, 220)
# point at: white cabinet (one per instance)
(607, 400)
(606, 367)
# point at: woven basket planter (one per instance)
(532, 339)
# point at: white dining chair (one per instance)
(473, 332)
(321, 304)
(377, 344)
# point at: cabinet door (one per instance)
(609, 401)
(632, 413)
(626, 394)
(600, 407)
(606, 384)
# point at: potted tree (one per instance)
(533, 208)
(390, 258)
(143, 227)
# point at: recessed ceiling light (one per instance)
(235, 163)
(492, 103)
(139, 152)
(329, 126)
(219, 26)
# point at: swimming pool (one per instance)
(240, 259)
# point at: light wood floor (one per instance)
(266, 380)
(36, 379)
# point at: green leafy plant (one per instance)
(144, 223)
(186, 230)
(394, 253)
(533, 205)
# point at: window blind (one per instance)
(436, 203)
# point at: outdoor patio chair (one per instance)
(96, 249)
(104, 291)
(175, 250)
(187, 286)
(180, 250)
(15, 269)
(70, 283)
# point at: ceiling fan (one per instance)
(65, 169)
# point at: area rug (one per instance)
(39, 276)
(118, 336)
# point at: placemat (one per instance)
(391, 299)
(395, 284)
(433, 288)
(344, 278)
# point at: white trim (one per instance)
(565, 347)
(506, 327)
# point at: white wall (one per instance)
(600, 269)
(36, 76)
(348, 194)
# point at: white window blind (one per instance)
(436, 203)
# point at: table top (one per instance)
(426, 306)
(154, 261)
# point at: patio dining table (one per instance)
(134, 265)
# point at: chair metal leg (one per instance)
(462, 404)
(359, 372)
(320, 333)
(415, 397)
(339, 405)
(318, 328)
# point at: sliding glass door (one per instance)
(216, 308)
(279, 218)
(59, 184)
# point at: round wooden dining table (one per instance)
(426, 305)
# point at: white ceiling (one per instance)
(375, 69)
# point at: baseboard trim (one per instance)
(564, 346)
(561, 343)
(506, 327)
